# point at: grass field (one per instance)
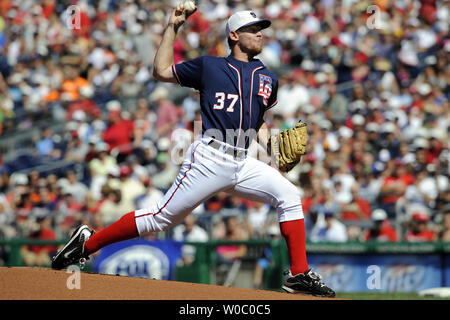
(384, 296)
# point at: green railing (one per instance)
(15, 245)
(206, 260)
(374, 247)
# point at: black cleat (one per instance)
(73, 251)
(307, 283)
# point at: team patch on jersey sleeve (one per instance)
(265, 87)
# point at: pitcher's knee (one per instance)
(289, 206)
(290, 203)
(150, 224)
(289, 197)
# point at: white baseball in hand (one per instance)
(189, 6)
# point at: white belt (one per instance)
(235, 152)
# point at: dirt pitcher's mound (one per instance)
(48, 284)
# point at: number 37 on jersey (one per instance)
(265, 89)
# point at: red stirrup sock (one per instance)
(123, 229)
(294, 234)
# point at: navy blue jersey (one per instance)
(233, 95)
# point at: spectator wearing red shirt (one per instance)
(357, 209)
(394, 186)
(419, 231)
(167, 116)
(39, 255)
(119, 135)
(428, 10)
(434, 150)
(310, 198)
(382, 230)
(84, 103)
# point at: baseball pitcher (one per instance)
(235, 92)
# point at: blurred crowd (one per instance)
(373, 86)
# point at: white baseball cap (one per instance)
(243, 19)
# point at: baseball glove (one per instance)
(288, 146)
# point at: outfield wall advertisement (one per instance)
(154, 259)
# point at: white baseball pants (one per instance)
(206, 171)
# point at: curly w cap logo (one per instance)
(265, 87)
(253, 14)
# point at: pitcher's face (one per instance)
(251, 39)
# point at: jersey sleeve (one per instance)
(273, 99)
(189, 73)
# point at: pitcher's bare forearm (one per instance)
(162, 66)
